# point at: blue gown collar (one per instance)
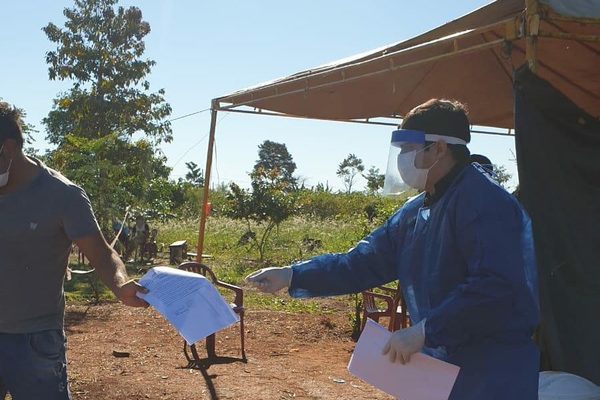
(444, 184)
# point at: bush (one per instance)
(324, 205)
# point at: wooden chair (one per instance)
(237, 306)
(395, 307)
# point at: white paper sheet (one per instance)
(188, 301)
(423, 378)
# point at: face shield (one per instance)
(402, 173)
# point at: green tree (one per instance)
(271, 201)
(348, 169)
(195, 174)
(276, 163)
(100, 49)
(501, 175)
(374, 179)
(110, 184)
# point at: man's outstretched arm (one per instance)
(111, 270)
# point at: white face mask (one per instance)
(413, 176)
(4, 176)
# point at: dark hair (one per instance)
(480, 159)
(10, 123)
(442, 117)
(483, 161)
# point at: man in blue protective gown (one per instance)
(463, 253)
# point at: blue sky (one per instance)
(206, 49)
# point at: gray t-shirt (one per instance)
(37, 225)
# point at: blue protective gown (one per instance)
(466, 263)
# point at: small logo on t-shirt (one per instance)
(33, 226)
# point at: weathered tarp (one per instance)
(470, 59)
(558, 153)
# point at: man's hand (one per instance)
(405, 343)
(127, 294)
(271, 280)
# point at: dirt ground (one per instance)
(289, 356)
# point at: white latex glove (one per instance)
(271, 280)
(405, 342)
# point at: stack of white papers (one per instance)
(423, 378)
(188, 301)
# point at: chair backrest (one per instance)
(205, 270)
(396, 305)
(201, 269)
(369, 301)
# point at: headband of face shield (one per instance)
(402, 173)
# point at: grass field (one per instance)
(286, 245)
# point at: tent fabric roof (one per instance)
(470, 59)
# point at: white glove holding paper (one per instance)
(405, 342)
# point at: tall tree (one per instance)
(100, 50)
(276, 163)
(374, 179)
(348, 169)
(195, 174)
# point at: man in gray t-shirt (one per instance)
(41, 214)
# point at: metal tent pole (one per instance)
(209, 156)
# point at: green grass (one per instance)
(79, 289)
(232, 262)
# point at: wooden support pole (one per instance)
(204, 208)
